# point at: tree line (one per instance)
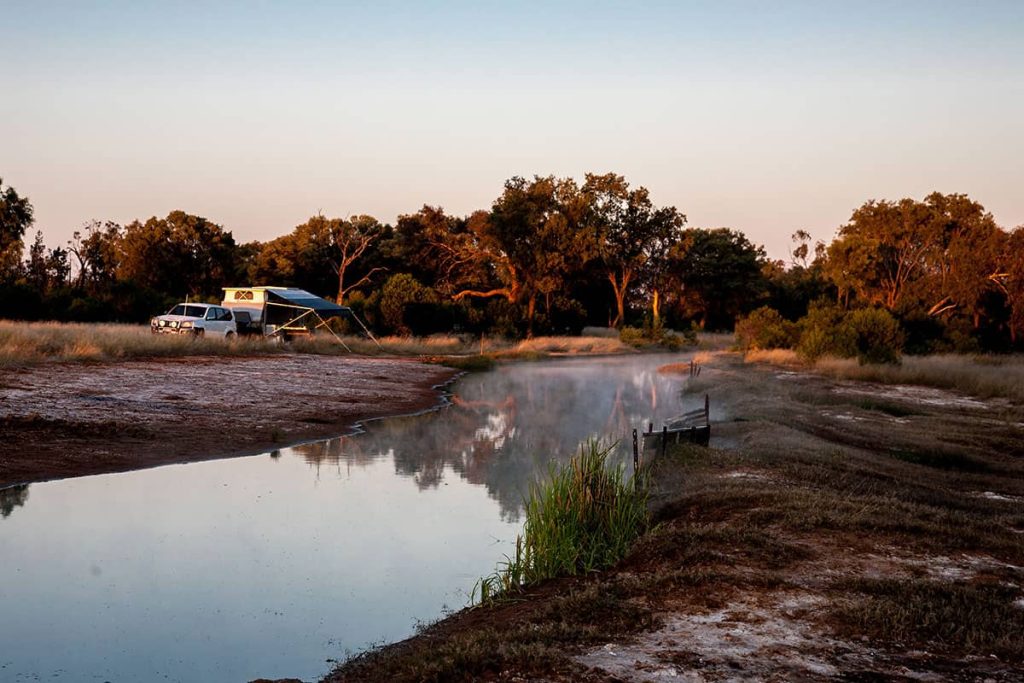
(550, 255)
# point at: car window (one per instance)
(188, 310)
(225, 314)
(211, 314)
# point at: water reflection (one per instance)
(503, 428)
(12, 497)
(268, 566)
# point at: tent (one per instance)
(288, 310)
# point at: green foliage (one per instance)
(877, 335)
(584, 518)
(823, 332)
(872, 335)
(716, 275)
(16, 216)
(399, 293)
(765, 328)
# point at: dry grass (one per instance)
(773, 356)
(715, 341)
(29, 343)
(573, 345)
(984, 376)
(24, 343)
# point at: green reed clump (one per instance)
(583, 518)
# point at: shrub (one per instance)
(824, 332)
(633, 336)
(399, 294)
(877, 334)
(765, 328)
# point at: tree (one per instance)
(437, 248)
(533, 238)
(963, 264)
(879, 253)
(98, 254)
(1013, 263)
(631, 236)
(716, 275)
(16, 217)
(180, 254)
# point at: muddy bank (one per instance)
(73, 419)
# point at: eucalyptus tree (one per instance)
(16, 216)
(632, 237)
(534, 237)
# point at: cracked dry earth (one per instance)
(70, 419)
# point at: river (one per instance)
(276, 565)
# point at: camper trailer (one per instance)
(282, 312)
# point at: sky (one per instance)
(765, 117)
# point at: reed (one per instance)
(583, 518)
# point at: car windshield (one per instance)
(190, 311)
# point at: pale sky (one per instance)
(766, 117)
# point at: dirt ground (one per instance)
(70, 419)
(835, 530)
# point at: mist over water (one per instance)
(272, 565)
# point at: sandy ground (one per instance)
(65, 420)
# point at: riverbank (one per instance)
(836, 529)
(77, 418)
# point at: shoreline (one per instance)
(66, 420)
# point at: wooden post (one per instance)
(664, 440)
(636, 453)
(650, 427)
(707, 409)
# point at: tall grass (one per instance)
(583, 518)
(28, 343)
(982, 376)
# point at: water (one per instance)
(273, 565)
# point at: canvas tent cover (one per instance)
(302, 299)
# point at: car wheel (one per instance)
(200, 332)
(229, 335)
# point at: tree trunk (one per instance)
(620, 296)
(341, 286)
(530, 308)
(656, 309)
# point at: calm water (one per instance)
(273, 565)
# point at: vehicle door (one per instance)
(227, 319)
(211, 323)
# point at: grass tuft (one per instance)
(583, 518)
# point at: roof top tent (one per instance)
(281, 312)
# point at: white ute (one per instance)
(196, 319)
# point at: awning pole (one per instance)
(368, 333)
(323, 323)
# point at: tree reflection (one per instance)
(12, 497)
(504, 428)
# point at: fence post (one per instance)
(636, 453)
(664, 440)
(707, 409)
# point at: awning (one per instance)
(300, 298)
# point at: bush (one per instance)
(765, 328)
(398, 294)
(878, 337)
(824, 332)
(633, 336)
